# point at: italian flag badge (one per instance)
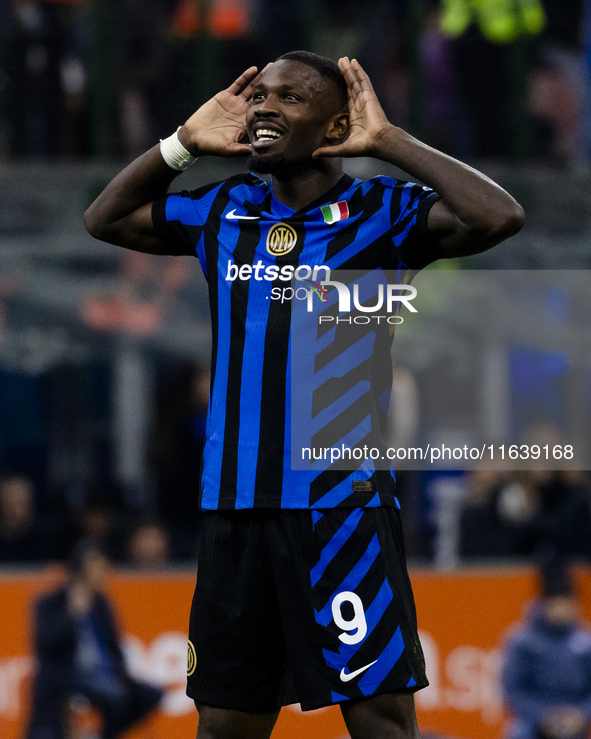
(335, 211)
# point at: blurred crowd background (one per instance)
(104, 354)
(88, 78)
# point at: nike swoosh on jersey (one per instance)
(233, 216)
(345, 678)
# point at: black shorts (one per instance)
(301, 606)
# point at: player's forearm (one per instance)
(484, 209)
(146, 178)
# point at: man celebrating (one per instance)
(302, 592)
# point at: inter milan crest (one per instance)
(191, 659)
(281, 239)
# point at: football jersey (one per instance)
(251, 246)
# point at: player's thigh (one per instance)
(223, 723)
(385, 716)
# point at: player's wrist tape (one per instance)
(175, 154)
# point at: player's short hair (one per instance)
(322, 64)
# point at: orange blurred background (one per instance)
(462, 619)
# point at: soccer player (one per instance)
(302, 592)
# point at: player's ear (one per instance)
(338, 128)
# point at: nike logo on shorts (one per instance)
(346, 677)
(233, 216)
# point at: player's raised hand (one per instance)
(218, 125)
(367, 120)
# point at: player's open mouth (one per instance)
(264, 137)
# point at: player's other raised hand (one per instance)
(218, 125)
(367, 120)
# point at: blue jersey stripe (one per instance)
(386, 661)
(340, 492)
(348, 360)
(374, 502)
(399, 238)
(335, 544)
(189, 211)
(287, 471)
(337, 697)
(200, 249)
(251, 394)
(316, 516)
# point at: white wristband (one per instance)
(174, 153)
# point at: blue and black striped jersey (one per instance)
(249, 245)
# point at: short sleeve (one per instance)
(414, 246)
(179, 218)
(171, 231)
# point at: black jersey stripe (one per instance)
(243, 254)
(335, 387)
(270, 461)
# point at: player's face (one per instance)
(290, 113)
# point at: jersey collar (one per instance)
(276, 209)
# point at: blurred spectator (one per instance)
(44, 76)
(514, 515)
(563, 519)
(487, 52)
(207, 45)
(382, 31)
(101, 519)
(87, 77)
(138, 59)
(19, 534)
(177, 446)
(547, 666)
(149, 545)
(79, 653)
(495, 515)
(440, 94)
(560, 85)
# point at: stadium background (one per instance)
(103, 353)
